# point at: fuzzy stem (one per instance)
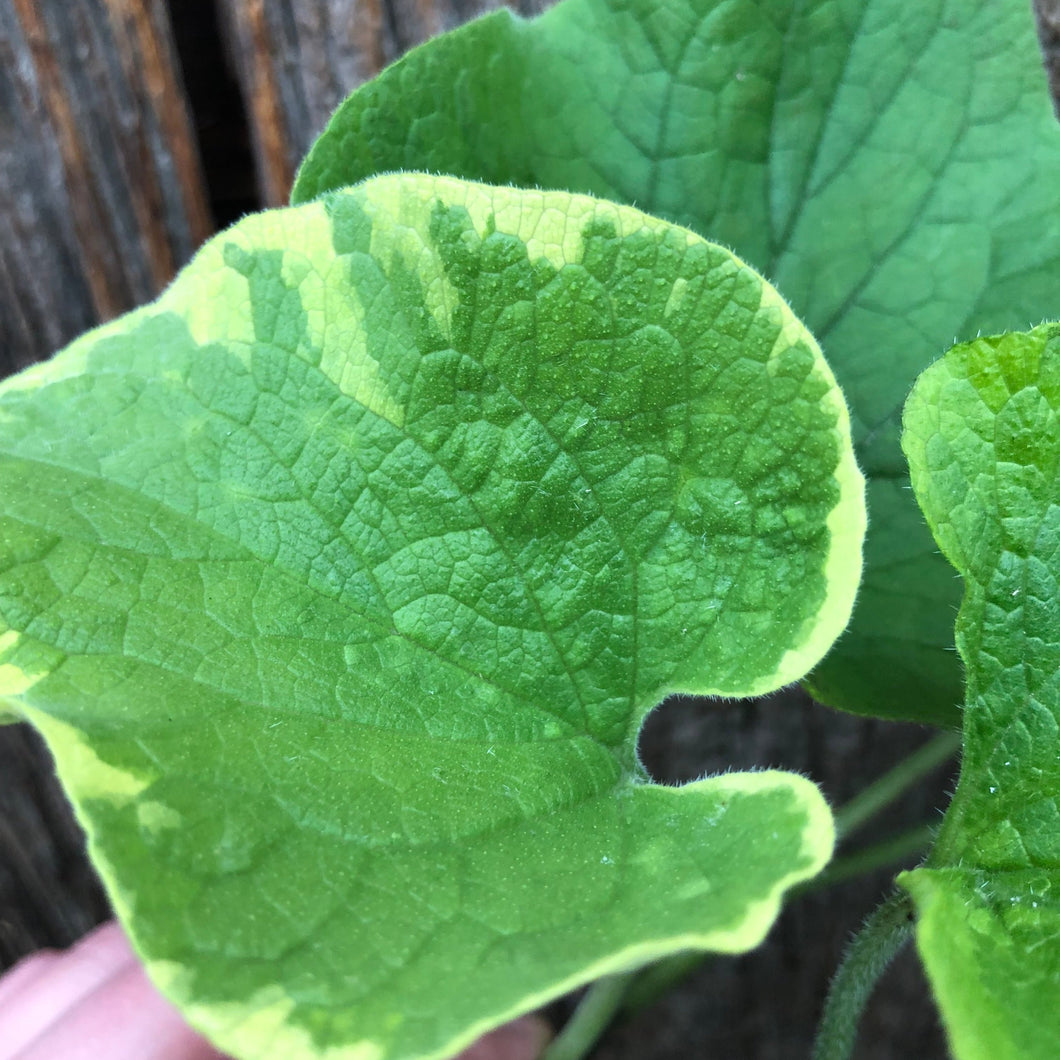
(873, 949)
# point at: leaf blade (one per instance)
(982, 435)
(341, 578)
(887, 166)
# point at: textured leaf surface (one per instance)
(891, 166)
(982, 432)
(341, 578)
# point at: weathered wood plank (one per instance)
(101, 194)
(296, 60)
(1048, 12)
(49, 893)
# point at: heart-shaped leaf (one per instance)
(341, 579)
(891, 166)
(982, 433)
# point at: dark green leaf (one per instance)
(891, 166)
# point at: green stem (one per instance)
(591, 1018)
(878, 855)
(881, 793)
(874, 947)
(658, 979)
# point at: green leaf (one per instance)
(982, 433)
(341, 578)
(889, 165)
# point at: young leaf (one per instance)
(341, 578)
(982, 433)
(889, 165)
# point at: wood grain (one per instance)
(1048, 14)
(49, 893)
(296, 60)
(101, 194)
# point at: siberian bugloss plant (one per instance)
(341, 578)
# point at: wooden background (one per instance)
(130, 130)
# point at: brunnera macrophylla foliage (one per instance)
(340, 579)
(890, 166)
(982, 435)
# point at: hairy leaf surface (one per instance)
(891, 166)
(341, 578)
(982, 433)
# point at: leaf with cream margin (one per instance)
(890, 166)
(982, 433)
(341, 578)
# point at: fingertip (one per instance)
(40, 990)
(522, 1039)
